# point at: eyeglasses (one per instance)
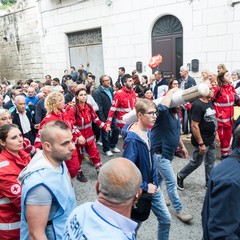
(5, 118)
(152, 114)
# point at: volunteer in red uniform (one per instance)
(123, 102)
(80, 116)
(12, 160)
(223, 100)
(54, 104)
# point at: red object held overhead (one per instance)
(155, 61)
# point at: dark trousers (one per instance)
(96, 131)
(30, 136)
(110, 139)
(186, 125)
(209, 159)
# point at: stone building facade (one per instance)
(48, 36)
(20, 48)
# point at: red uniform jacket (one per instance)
(123, 102)
(10, 193)
(81, 119)
(50, 117)
(224, 104)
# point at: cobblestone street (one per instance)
(192, 199)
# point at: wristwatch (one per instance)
(201, 144)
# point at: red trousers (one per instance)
(225, 135)
(73, 164)
(92, 151)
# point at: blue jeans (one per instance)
(209, 158)
(165, 172)
(160, 210)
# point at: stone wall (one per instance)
(20, 49)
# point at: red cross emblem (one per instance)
(15, 189)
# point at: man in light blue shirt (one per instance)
(118, 188)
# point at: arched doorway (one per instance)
(167, 40)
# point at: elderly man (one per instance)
(72, 86)
(186, 82)
(31, 98)
(104, 97)
(118, 188)
(47, 193)
(40, 111)
(23, 118)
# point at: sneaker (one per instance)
(206, 184)
(99, 143)
(81, 177)
(180, 184)
(108, 153)
(184, 216)
(116, 150)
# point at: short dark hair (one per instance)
(88, 87)
(160, 72)
(145, 77)
(125, 77)
(56, 80)
(101, 78)
(73, 68)
(122, 69)
(146, 89)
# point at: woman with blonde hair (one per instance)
(54, 104)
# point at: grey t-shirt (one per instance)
(41, 196)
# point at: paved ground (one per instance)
(192, 198)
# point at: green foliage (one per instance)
(7, 2)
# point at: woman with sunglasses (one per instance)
(12, 160)
(6, 118)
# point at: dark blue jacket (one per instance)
(40, 111)
(165, 134)
(221, 209)
(103, 101)
(190, 82)
(136, 150)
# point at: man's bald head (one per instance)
(119, 180)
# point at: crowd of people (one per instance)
(48, 128)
